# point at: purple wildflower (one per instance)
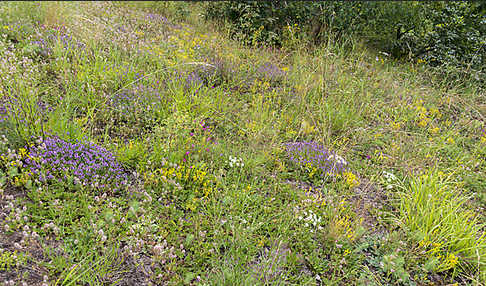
(304, 153)
(87, 163)
(271, 71)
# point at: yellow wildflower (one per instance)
(351, 179)
(261, 242)
(422, 123)
(396, 126)
(451, 260)
(434, 130)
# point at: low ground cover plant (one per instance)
(141, 144)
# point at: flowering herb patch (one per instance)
(199, 142)
(3, 113)
(186, 185)
(483, 136)
(133, 111)
(57, 35)
(82, 163)
(141, 98)
(193, 79)
(315, 160)
(271, 72)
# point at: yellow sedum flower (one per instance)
(351, 180)
(396, 125)
(422, 123)
(434, 130)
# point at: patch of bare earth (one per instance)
(367, 199)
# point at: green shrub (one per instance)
(437, 33)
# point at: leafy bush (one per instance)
(438, 33)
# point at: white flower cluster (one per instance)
(163, 251)
(338, 159)
(3, 141)
(389, 179)
(311, 219)
(235, 161)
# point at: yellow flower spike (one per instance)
(450, 140)
(261, 242)
(396, 126)
(351, 179)
(422, 123)
(453, 260)
(434, 130)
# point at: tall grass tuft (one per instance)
(431, 208)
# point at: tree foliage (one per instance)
(438, 33)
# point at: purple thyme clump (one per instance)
(3, 113)
(19, 111)
(66, 41)
(159, 19)
(311, 154)
(140, 98)
(156, 17)
(271, 71)
(85, 163)
(193, 79)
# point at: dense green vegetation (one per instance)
(449, 35)
(151, 144)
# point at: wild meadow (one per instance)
(140, 144)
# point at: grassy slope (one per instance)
(268, 221)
